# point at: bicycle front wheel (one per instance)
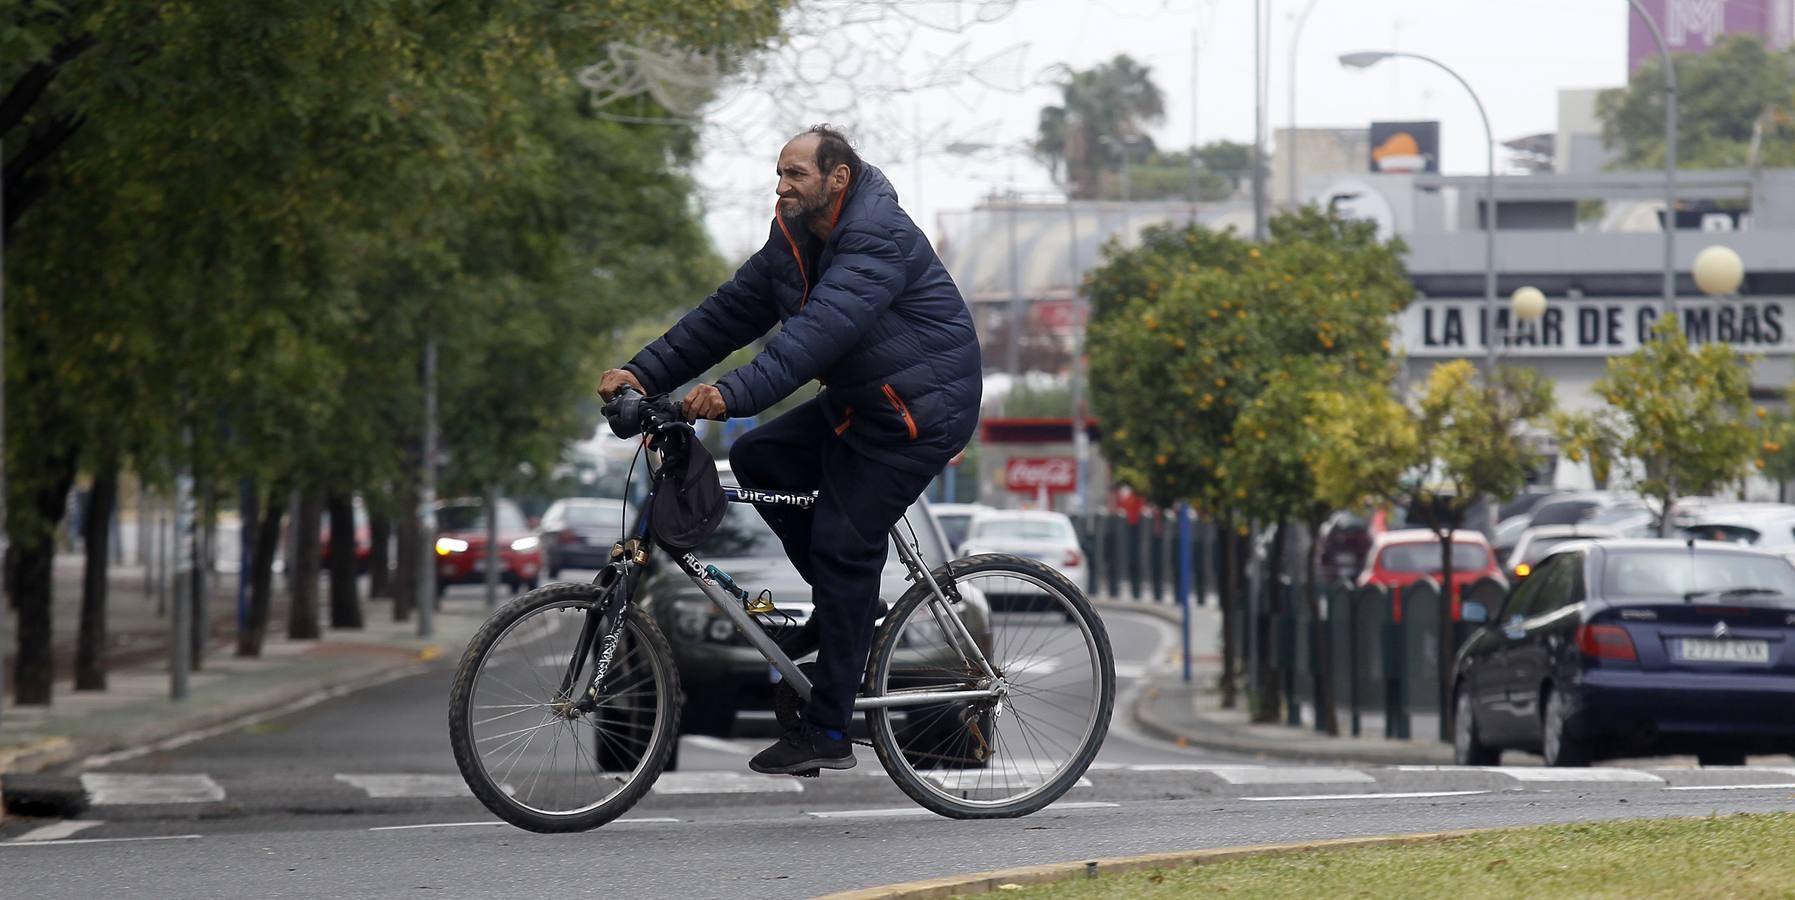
(1014, 753)
(535, 757)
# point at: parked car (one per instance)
(1537, 542)
(1401, 558)
(954, 519)
(364, 541)
(578, 532)
(1767, 526)
(461, 545)
(720, 673)
(1343, 547)
(1634, 647)
(1035, 534)
(1572, 507)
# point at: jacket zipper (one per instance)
(898, 403)
(847, 418)
(799, 257)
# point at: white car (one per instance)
(1538, 542)
(1046, 536)
(1767, 526)
(955, 519)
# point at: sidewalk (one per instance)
(136, 710)
(1192, 714)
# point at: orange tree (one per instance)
(1192, 326)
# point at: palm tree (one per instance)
(1102, 110)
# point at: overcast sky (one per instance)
(871, 66)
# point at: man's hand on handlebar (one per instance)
(704, 402)
(615, 380)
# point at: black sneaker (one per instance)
(802, 750)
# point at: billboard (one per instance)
(1405, 147)
(1692, 26)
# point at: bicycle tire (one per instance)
(665, 732)
(885, 740)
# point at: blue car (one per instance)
(1634, 648)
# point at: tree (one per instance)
(1684, 413)
(1210, 173)
(1101, 111)
(1464, 439)
(1191, 326)
(1736, 96)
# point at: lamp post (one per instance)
(1670, 160)
(1368, 58)
(1296, 32)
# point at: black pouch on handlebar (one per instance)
(688, 502)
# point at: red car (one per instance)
(1401, 558)
(461, 545)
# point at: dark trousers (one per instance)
(839, 545)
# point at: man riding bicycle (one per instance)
(869, 312)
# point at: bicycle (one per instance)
(948, 711)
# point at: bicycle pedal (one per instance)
(808, 773)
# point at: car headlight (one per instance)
(721, 631)
(446, 546)
(690, 618)
(522, 544)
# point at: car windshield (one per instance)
(1678, 573)
(744, 534)
(473, 518)
(1425, 557)
(955, 526)
(1024, 530)
(595, 514)
(1729, 534)
(1568, 512)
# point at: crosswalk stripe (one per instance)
(56, 831)
(725, 783)
(107, 789)
(1282, 775)
(388, 786)
(1547, 774)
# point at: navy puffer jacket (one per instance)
(871, 313)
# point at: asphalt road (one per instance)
(358, 797)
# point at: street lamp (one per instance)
(1365, 59)
(1670, 160)
(1296, 32)
(1529, 304)
(1718, 271)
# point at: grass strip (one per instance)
(1743, 856)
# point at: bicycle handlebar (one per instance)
(629, 414)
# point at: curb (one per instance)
(1166, 611)
(1226, 743)
(1003, 879)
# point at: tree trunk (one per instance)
(345, 598)
(90, 648)
(1326, 718)
(261, 574)
(1268, 705)
(33, 515)
(380, 575)
(405, 556)
(302, 611)
(1230, 603)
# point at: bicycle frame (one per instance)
(694, 568)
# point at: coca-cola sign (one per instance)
(1028, 475)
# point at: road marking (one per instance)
(644, 821)
(1731, 787)
(902, 811)
(312, 699)
(725, 783)
(165, 837)
(106, 789)
(384, 786)
(56, 831)
(706, 742)
(1541, 773)
(1184, 767)
(1404, 796)
(1292, 775)
(963, 780)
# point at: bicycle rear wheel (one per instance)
(526, 753)
(1013, 754)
